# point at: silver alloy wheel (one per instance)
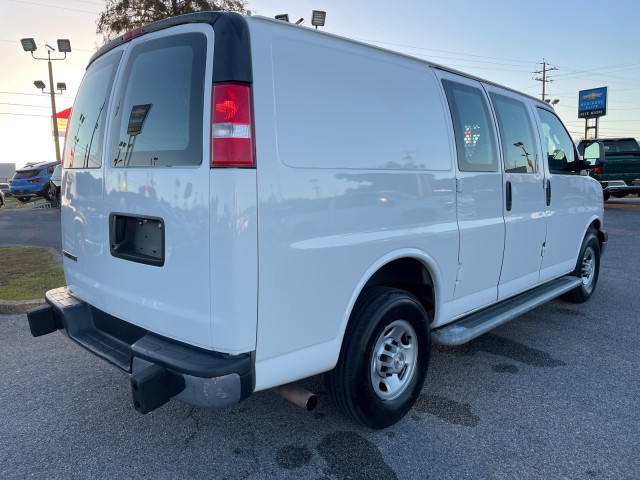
(588, 268)
(394, 360)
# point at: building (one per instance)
(6, 171)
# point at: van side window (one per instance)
(83, 148)
(472, 128)
(558, 146)
(159, 123)
(516, 133)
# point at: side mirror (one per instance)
(593, 155)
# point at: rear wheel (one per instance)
(49, 192)
(587, 269)
(23, 199)
(619, 195)
(606, 196)
(384, 358)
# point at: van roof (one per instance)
(234, 22)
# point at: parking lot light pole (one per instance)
(64, 46)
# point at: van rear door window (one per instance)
(159, 121)
(83, 148)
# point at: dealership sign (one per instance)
(592, 103)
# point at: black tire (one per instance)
(619, 195)
(587, 268)
(362, 385)
(49, 192)
(23, 199)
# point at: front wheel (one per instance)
(587, 269)
(23, 199)
(384, 358)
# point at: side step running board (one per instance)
(467, 328)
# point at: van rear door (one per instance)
(143, 251)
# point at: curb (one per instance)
(19, 306)
(15, 307)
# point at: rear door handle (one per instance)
(548, 192)
(508, 195)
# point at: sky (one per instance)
(588, 44)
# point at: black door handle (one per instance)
(508, 194)
(548, 192)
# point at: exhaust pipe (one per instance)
(298, 395)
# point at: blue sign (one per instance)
(136, 119)
(592, 103)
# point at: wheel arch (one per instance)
(595, 226)
(412, 270)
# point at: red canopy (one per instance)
(64, 114)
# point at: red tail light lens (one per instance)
(136, 32)
(232, 126)
(597, 170)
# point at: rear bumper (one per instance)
(619, 186)
(28, 191)
(159, 368)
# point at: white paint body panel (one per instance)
(355, 168)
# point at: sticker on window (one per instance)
(136, 119)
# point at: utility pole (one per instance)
(544, 79)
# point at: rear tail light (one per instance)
(598, 170)
(136, 32)
(232, 126)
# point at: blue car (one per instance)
(32, 181)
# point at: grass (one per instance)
(26, 273)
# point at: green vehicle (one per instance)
(620, 173)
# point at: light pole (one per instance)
(64, 46)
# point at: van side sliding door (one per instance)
(478, 194)
(524, 201)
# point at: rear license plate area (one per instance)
(137, 238)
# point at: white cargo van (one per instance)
(248, 202)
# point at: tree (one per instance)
(120, 16)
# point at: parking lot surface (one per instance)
(551, 395)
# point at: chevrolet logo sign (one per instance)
(142, 111)
(592, 96)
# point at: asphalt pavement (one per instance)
(30, 224)
(551, 395)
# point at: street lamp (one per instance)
(317, 18)
(64, 46)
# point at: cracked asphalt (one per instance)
(551, 395)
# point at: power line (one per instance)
(524, 63)
(24, 105)
(54, 6)
(35, 95)
(25, 114)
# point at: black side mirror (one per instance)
(593, 156)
